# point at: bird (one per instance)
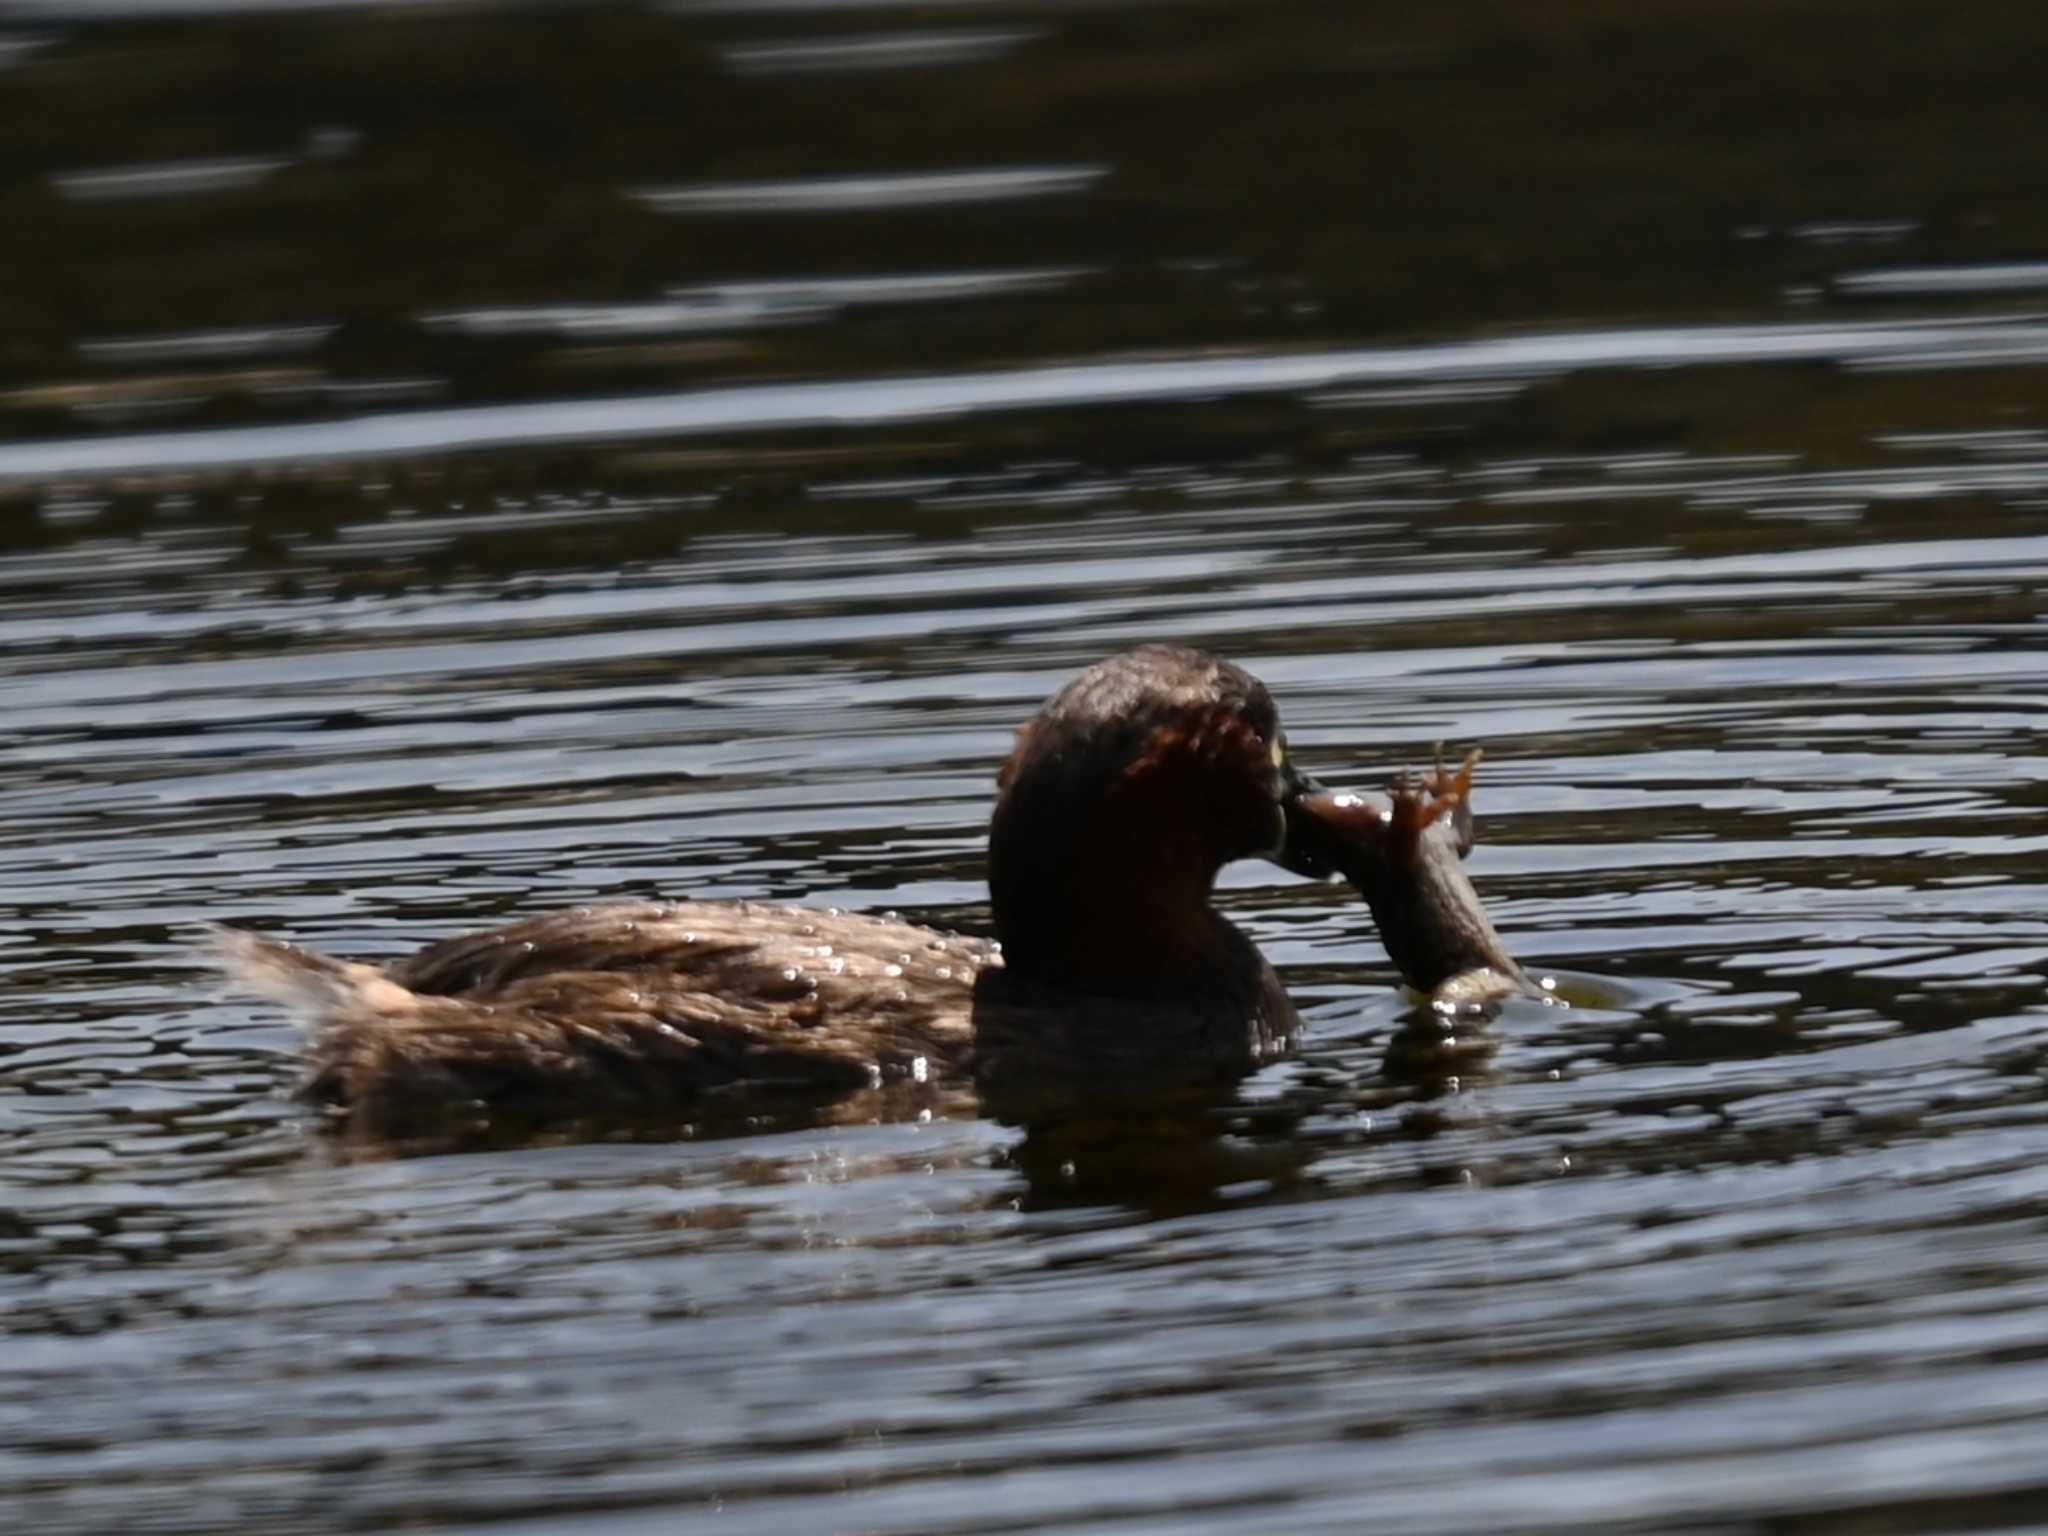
(1110, 972)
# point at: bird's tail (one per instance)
(318, 989)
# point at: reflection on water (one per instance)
(178, 178)
(870, 50)
(195, 346)
(427, 534)
(1934, 282)
(738, 306)
(845, 194)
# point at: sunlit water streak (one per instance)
(738, 306)
(883, 402)
(881, 191)
(859, 52)
(172, 178)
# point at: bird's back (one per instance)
(644, 1008)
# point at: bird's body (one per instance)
(631, 1009)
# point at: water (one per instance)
(455, 463)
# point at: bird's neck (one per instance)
(1103, 912)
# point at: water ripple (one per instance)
(879, 402)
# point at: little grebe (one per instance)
(1122, 800)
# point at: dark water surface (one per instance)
(459, 461)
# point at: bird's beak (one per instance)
(1319, 824)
